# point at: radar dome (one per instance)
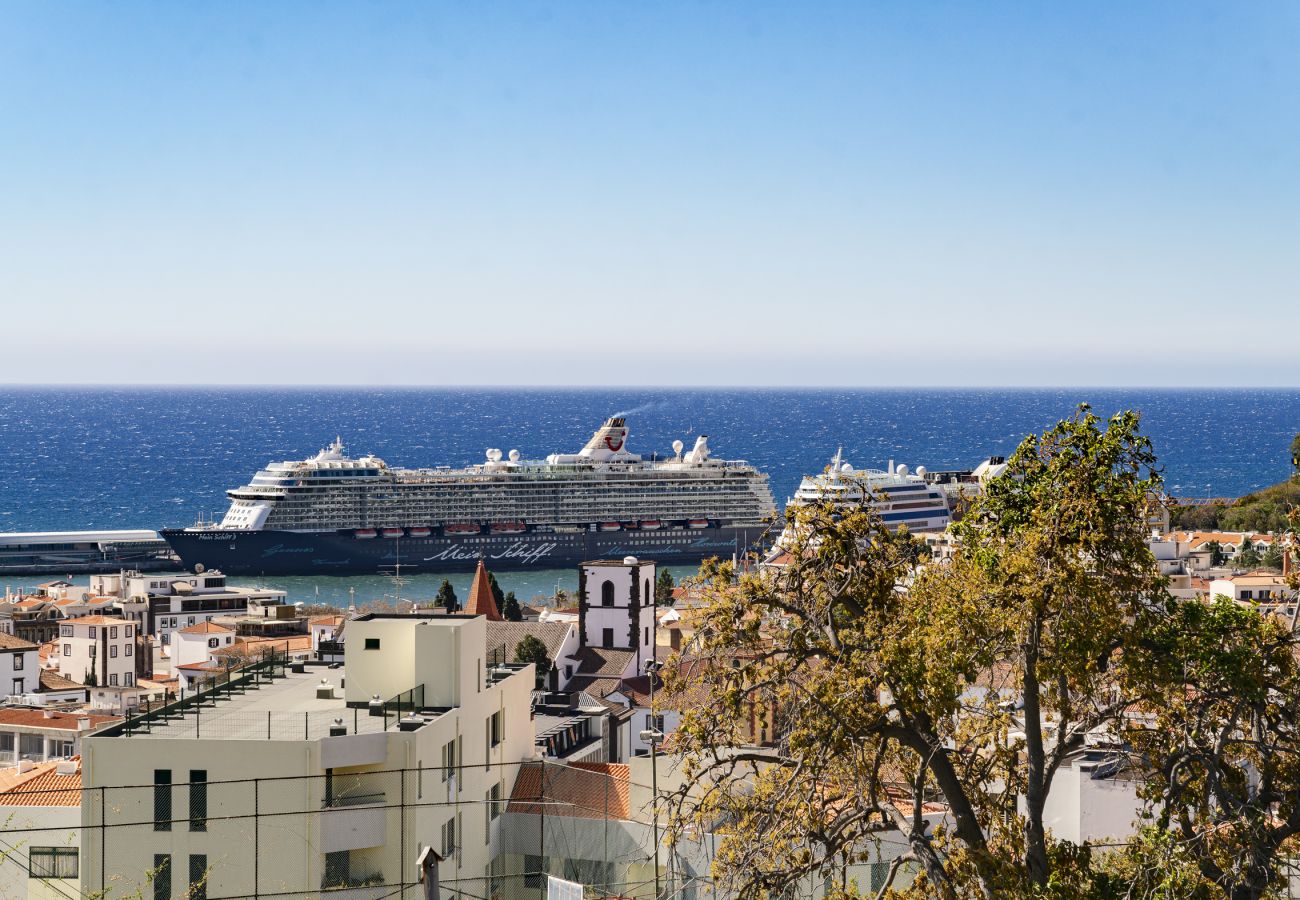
(920, 471)
(677, 447)
(493, 454)
(902, 469)
(846, 468)
(514, 456)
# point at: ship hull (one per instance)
(342, 553)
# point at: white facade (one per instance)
(20, 667)
(353, 808)
(1092, 799)
(616, 607)
(98, 650)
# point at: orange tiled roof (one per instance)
(481, 602)
(207, 627)
(98, 620)
(580, 790)
(325, 620)
(44, 786)
(9, 642)
(35, 718)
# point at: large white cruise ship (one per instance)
(898, 495)
(332, 513)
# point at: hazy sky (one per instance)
(650, 193)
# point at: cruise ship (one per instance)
(899, 496)
(334, 514)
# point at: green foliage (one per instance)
(446, 597)
(498, 595)
(91, 679)
(510, 611)
(866, 684)
(532, 650)
(1295, 454)
(1216, 553)
(664, 588)
(1272, 556)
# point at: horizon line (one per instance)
(362, 386)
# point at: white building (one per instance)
(341, 797)
(616, 609)
(98, 650)
(20, 666)
(1268, 589)
(36, 735)
(41, 812)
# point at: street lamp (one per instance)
(654, 737)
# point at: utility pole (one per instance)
(654, 736)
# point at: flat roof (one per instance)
(286, 709)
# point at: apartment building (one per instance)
(305, 777)
(98, 650)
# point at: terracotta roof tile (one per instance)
(509, 634)
(53, 681)
(98, 620)
(481, 602)
(9, 642)
(580, 790)
(44, 786)
(208, 627)
(35, 718)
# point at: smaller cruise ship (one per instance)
(900, 496)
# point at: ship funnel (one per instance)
(700, 452)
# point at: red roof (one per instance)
(98, 620)
(481, 602)
(581, 790)
(205, 628)
(35, 718)
(44, 786)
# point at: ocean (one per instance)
(74, 458)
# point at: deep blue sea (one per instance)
(73, 458)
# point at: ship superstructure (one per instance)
(901, 497)
(332, 512)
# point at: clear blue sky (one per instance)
(653, 193)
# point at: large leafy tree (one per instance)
(887, 681)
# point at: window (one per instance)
(19, 685)
(112, 680)
(65, 631)
(128, 631)
(646, 640)
(162, 875)
(130, 649)
(52, 862)
(607, 637)
(93, 648)
(31, 746)
(162, 806)
(212, 642)
(448, 838)
(112, 631)
(67, 649)
(607, 594)
(372, 643)
(92, 632)
(198, 803)
(112, 651)
(448, 760)
(534, 871)
(166, 638)
(18, 662)
(128, 679)
(198, 877)
(493, 812)
(6, 746)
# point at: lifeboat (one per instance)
(418, 532)
(698, 523)
(651, 525)
(460, 529)
(610, 526)
(365, 534)
(630, 526)
(391, 532)
(508, 528)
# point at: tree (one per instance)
(446, 597)
(1295, 454)
(1216, 553)
(1247, 556)
(1272, 557)
(532, 650)
(511, 611)
(664, 588)
(498, 596)
(91, 679)
(885, 699)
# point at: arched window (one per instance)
(648, 598)
(607, 594)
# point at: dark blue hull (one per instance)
(343, 553)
